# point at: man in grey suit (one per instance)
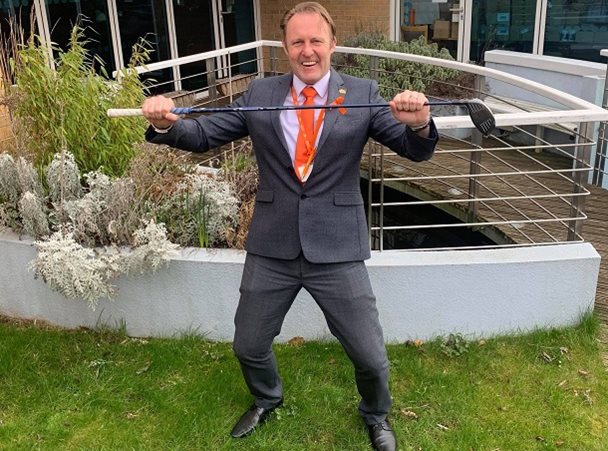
(309, 228)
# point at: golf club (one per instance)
(480, 114)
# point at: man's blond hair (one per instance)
(308, 7)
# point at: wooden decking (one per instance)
(595, 228)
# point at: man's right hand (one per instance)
(157, 110)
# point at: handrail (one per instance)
(523, 201)
(583, 111)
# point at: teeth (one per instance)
(309, 63)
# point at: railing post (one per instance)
(475, 159)
(474, 169)
(372, 214)
(599, 166)
(582, 159)
(273, 61)
(211, 81)
(378, 215)
(373, 67)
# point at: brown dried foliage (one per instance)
(157, 171)
(237, 239)
(463, 87)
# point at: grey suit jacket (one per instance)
(325, 217)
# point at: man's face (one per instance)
(309, 45)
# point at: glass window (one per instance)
(146, 19)
(15, 13)
(577, 29)
(431, 19)
(194, 30)
(239, 28)
(16, 16)
(93, 16)
(502, 24)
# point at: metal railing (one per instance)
(518, 187)
(599, 166)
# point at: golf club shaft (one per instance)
(124, 112)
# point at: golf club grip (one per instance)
(125, 112)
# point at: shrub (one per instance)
(66, 108)
(86, 187)
(200, 212)
(9, 189)
(397, 75)
(63, 178)
(78, 272)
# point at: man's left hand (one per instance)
(409, 108)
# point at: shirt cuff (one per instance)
(162, 130)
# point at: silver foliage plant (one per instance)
(79, 272)
(63, 178)
(33, 215)
(72, 221)
(220, 205)
(28, 178)
(84, 213)
(151, 249)
(75, 271)
(9, 190)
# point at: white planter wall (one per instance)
(420, 294)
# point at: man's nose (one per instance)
(307, 49)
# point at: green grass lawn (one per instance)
(79, 390)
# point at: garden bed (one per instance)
(420, 294)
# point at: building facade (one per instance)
(568, 28)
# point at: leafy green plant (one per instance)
(455, 345)
(65, 108)
(397, 75)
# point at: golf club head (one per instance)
(482, 117)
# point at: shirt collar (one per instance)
(321, 86)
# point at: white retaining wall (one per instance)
(420, 294)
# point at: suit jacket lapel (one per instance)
(278, 98)
(335, 83)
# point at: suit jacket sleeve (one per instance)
(385, 129)
(204, 132)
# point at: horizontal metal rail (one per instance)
(530, 192)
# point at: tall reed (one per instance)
(65, 108)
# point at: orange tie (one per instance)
(304, 146)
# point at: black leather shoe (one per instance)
(382, 436)
(251, 419)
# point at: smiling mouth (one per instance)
(309, 63)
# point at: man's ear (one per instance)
(285, 47)
(333, 44)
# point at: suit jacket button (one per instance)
(303, 196)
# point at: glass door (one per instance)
(195, 33)
(237, 26)
(145, 19)
(439, 21)
(502, 24)
(576, 29)
(92, 16)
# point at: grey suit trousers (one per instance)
(344, 294)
